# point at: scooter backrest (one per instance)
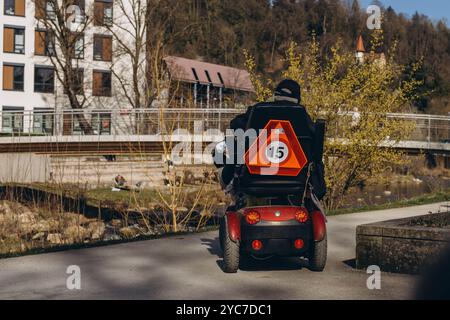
(319, 140)
(262, 114)
(309, 135)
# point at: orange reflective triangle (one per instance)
(280, 150)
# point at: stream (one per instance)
(396, 191)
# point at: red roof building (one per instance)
(210, 85)
(194, 71)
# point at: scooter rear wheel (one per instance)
(318, 255)
(231, 249)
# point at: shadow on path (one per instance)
(350, 263)
(250, 264)
(213, 246)
(273, 264)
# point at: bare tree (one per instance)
(143, 33)
(128, 29)
(64, 23)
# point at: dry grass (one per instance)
(43, 223)
(23, 228)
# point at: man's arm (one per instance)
(240, 121)
(318, 176)
(311, 123)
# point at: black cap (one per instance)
(288, 90)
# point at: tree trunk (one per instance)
(84, 124)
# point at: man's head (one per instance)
(288, 90)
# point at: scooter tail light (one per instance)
(257, 245)
(252, 217)
(301, 215)
(299, 244)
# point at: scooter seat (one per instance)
(261, 186)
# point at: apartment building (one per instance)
(32, 98)
(30, 90)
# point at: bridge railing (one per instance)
(428, 128)
(115, 122)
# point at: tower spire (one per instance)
(360, 50)
(360, 44)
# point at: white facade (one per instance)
(30, 101)
(24, 111)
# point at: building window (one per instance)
(102, 47)
(79, 18)
(194, 72)
(43, 122)
(44, 79)
(101, 123)
(208, 76)
(44, 43)
(101, 83)
(221, 79)
(15, 8)
(77, 83)
(80, 3)
(103, 12)
(200, 94)
(12, 120)
(77, 41)
(45, 9)
(67, 123)
(50, 10)
(14, 40)
(13, 77)
(71, 125)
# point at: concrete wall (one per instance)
(93, 171)
(96, 171)
(24, 167)
(30, 100)
(397, 247)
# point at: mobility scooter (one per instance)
(276, 212)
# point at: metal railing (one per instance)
(126, 122)
(115, 122)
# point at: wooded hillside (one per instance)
(219, 30)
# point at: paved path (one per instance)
(187, 267)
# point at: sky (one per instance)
(435, 9)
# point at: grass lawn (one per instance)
(105, 195)
(146, 197)
(417, 201)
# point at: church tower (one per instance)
(360, 50)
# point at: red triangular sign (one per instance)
(276, 151)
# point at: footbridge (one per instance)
(141, 131)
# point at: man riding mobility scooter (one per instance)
(276, 211)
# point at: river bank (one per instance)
(40, 220)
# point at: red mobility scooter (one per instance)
(285, 218)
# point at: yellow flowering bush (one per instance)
(355, 98)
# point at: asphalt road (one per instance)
(188, 267)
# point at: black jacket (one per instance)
(318, 174)
(240, 121)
